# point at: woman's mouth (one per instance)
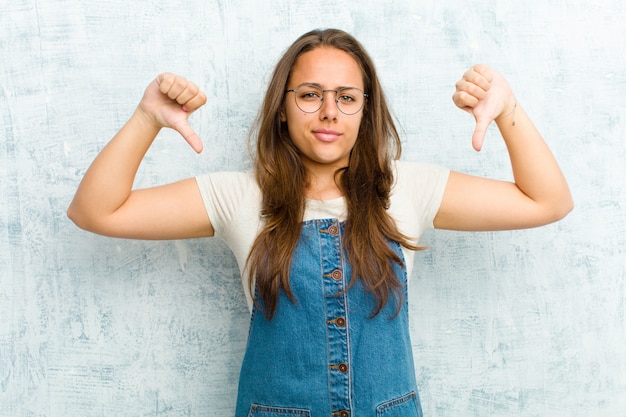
(326, 135)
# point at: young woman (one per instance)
(325, 228)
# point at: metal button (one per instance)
(344, 413)
(336, 274)
(340, 321)
(343, 368)
(333, 230)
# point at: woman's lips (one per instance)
(326, 135)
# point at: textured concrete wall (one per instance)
(524, 323)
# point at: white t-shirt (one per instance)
(233, 204)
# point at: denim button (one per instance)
(333, 230)
(343, 368)
(340, 321)
(336, 274)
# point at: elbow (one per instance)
(568, 207)
(560, 203)
(565, 206)
(74, 215)
(92, 222)
(78, 218)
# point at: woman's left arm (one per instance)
(539, 194)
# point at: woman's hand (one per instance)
(168, 101)
(105, 201)
(485, 94)
(539, 194)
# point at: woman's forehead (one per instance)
(327, 67)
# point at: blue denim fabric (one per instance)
(324, 355)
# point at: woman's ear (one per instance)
(283, 114)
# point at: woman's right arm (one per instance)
(105, 202)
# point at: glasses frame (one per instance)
(337, 91)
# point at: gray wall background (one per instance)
(522, 323)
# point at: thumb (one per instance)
(479, 133)
(190, 136)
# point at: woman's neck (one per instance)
(323, 186)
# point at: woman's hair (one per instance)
(366, 184)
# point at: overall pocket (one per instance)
(257, 410)
(406, 406)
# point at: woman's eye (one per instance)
(311, 95)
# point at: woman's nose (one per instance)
(329, 107)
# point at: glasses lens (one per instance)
(350, 100)
(309, 98)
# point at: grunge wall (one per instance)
(524, 323)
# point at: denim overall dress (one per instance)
(324, 355)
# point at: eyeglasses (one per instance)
(310, 97)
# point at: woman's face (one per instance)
(325, 137)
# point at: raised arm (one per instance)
(539, 194)
(105, 202)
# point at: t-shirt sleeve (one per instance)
(417, 195)
(224, 194)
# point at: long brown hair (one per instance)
(366, 184)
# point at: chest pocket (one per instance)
(405, 406)
(265, 411)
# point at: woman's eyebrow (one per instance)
(307, 84)
(341, 87)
